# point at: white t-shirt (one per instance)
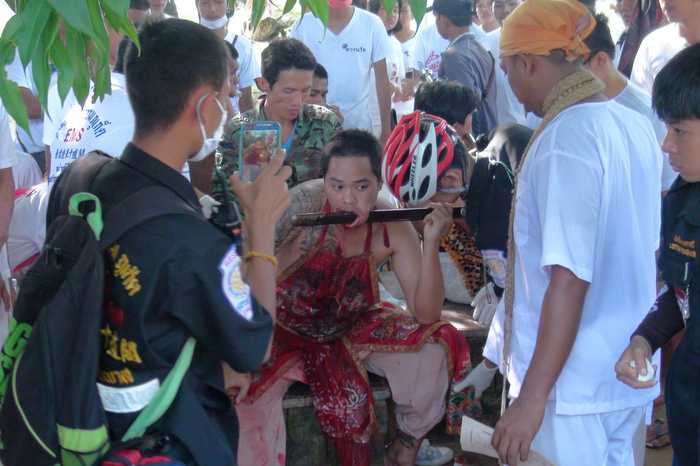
(348, 57)
(508, 107)
(8, 152)
(17, 73)
(654, 52)
(635, 98)
(26, 172)
(588, 200)
(106, 125)
(248, 63)
(428, 49)
(28, 226)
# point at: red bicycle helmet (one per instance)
(419, 150)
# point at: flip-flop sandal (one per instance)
(657, 435)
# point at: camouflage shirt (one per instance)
(313, 129)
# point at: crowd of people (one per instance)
(571, 154)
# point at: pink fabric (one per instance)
(418, 384)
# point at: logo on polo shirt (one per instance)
(347, 48)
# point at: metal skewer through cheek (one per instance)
(375, 216)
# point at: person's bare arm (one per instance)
(7, 202)
(559, 324)
(384, 91)
(425, 290)
(32, 104)
(245, 101)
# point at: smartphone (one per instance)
(258, 143)
(410, 74)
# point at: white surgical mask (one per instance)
(209, 144)
(214, 23)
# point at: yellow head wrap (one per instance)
(539, 26)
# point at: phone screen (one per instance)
(258, 143)
(409, 74)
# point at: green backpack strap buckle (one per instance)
(88, 206)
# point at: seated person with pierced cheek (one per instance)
(332, 327)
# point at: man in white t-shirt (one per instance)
(8, 159)
(428, 48)
(662, 44)
(587, 214)
(212, 15)
(624, 92)
(352, 44)
(106, 125)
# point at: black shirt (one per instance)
(169, 278)
(680, 247)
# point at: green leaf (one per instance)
(319, 8)
(418, 7)
(258, 10)
(75, 13)
(288, 6)
(77, 53)
(41, 72)
(61, 59)
(116, 13)
(12, 27)
(34, 19)
(12, 100)
(389, 5)
(7, 53)
(100, 37)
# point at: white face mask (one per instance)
(214, 23)
(209, 144)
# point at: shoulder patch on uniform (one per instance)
(235, 289)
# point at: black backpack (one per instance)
(51, 410)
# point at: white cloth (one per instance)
(654, 52)
(23, 77)
(26, 172)
(348, 57)
(455, 290)
(248, 63)
(635, 98)
(608, 437)
(55, 110)
(428, 48)
(106, 125)
(8, 152)
(28, 225)
(396, 72)
(588, 200)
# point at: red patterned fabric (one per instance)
(329, 315)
